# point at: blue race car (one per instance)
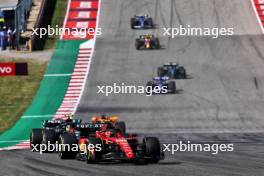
(161, 85)
(141, 22)
(172, 70)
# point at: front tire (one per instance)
(93, 156)
(69, 140)
(152, 149)
(36, 138)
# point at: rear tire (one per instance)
(150, 22)
(137, 44)
(157, 43)
(49, 137)
(132, 23)
(70, 140)
(181, 73)
(161, 72)
(35, 138)
(152, 149)
(172, 87)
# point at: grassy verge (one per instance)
(17, 92)
(57, 19)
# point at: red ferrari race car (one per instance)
(119, 146)
(114, 145)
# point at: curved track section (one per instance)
(225, 93)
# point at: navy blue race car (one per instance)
(161, 85)
(141, 22)
(172, 70)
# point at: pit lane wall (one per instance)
(63, 83)
(258, 6)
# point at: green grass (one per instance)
(57, 19)
(17, 92)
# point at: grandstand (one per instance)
(24, 15)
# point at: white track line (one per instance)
(56, 75)
(66, 17)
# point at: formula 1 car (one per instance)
(51, 130)
(141, 22)
(85, 130)
(147, 42)
(172, 70)
(110, 119)
(112, 145)
(161, 85)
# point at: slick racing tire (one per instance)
(69, 140)
(181, 73)
(93, 156)
(157, 43)
(150, 22)
(49, 137)
(161, 72)
(152, 149)
(138, 44)
(132, 23)
(172, 87)
(35, 138)
(121, 126)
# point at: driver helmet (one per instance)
(103, 116)
(148, 36)
(69, 116)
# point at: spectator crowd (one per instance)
(7, 35)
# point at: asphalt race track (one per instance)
(222, 102)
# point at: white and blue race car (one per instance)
(141, 22)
